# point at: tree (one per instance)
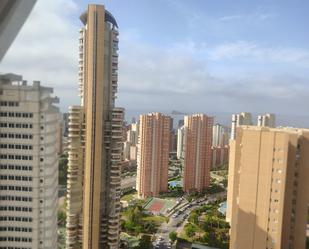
(224, 182)
(190, 230)
(144, 243)
(194, 218)
(62, 217)
(173, 236)
(63, 169)
(149, 227)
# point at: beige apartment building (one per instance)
(96, 138)
(76, 157)
(268, 188)
(198, 154)
(29, 135)
(153, 154)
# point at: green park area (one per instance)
(139, 225)
(206, 225)
(136, 220)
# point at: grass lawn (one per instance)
(157, 219)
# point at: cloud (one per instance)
(258, 15)
(174, 76)
(180, 70)
(46, 47)
(231, 17)
(254, 51)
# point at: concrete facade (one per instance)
(220, 135)
(268, 188)
(29, 136)
(220, 156)
(76, 152)
(98, 126)
(181, 142)
(130, 145)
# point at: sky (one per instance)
(215, 57)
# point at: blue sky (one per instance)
(195, 56)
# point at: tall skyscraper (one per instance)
(220, 156)
(130, 145)
(76, 153)
(197, 160)
(29, 133)
(103, 133)
(220, 135)
(243, 118)
(220, 141)
(132, 134)
(181, 142)
(268, 188)
(267, 120)
(153, 154)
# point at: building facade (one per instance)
(153, 154)
(268, 188)
(197, 159)
(181, 142)
(267, 120)
(220, 135)
(243, 118)
(130, 145)
(220, 156)
(29, 135)
(76, 157)
(98, 125)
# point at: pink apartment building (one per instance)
(198, 153)
(153, 154)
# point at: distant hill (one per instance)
(178, 113)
